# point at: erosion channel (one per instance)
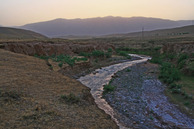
(160, 119)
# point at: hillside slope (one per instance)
(30, 97)
(100, 26)
(13, 33)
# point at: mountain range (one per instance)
(101, 26)
(179, 31)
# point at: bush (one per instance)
(71, 98)
(98, 53)
(128, 70)
(176, 91)
(110, 50)
(41, 57)
(171, 56)
(156, 60)
(168, 73)
(60, 64)
(108, 88)
(182, 57)
(85, 54)
(175, 86)
(123, 53)
(181, 64)
(108, 55)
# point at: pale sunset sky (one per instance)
(20, 12)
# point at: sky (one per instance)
(20, 12)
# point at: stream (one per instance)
(100, 77)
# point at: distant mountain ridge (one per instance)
(101, 26)
(178, 31)
(7, 33)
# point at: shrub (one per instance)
(182, 57)
(171, 56)
(128, 70)
(71, 98)
(108, 88)
(108, 55)
(156, 60)
(85, 54)
(123, 53)
(187, 103)
(175, 86)
(181, 64)
(41, 57)
(98, 53)
(157, 48)
(168, 73)
(60, 64)
(110, 50)
(176, 91)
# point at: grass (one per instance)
(63, 59)
(187, 82)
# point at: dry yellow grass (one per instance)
(30, 97)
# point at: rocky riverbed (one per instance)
(139, 100)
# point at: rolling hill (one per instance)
(20, 34)
(179, 31)
(101, 26)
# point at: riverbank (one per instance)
(140, 102)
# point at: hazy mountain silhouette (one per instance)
(101, 26)
(178, 31)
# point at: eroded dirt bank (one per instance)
(48, 49)
(30, 97)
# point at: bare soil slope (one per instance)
(30, 97)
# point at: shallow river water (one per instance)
(100, 77)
